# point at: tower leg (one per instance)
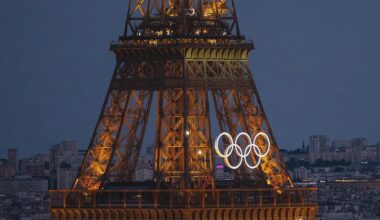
(241, 110)
(230, 120)
(127, 149)
(273, 165)
(111, 155)
(104, 137)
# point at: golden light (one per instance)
(200, 152)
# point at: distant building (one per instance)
(341, 143)
(66, 177)
(301, 173)
(35, 169)
(23, 184)
(356, 150)
(23, 197)
(317, 143)
(5, 172)
(144, 174)
(35, 166)
(359, 142)
(13, 159)
(64, 162)
(53, 166)
(53, 158)
(144, 168)
(81, 153)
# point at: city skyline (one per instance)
(302, 143)
(319, 60)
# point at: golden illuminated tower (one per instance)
(184, 53)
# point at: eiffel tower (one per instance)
(190, 57)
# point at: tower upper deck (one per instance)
(181, 19)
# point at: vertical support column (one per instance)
(186, 134)
(170, 164)
(199, 140)
(158, 144)
(183, 143)
(210, 146)
(127, 19)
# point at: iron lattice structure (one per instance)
(186, 52)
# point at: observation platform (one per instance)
(265, 203)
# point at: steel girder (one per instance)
(183, 149)
(240, 109)
(117, 139)
(183, 155)
(273, 165)
(127, 149)
(206, 68)
(165, 18)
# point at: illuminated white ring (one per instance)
(248, 138)
(229, 151)
(217, 143)
(257, 151)
(233, 146)
(268, 141)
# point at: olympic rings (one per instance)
(233, 146)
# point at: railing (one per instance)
(175, 42)
(191, 198)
